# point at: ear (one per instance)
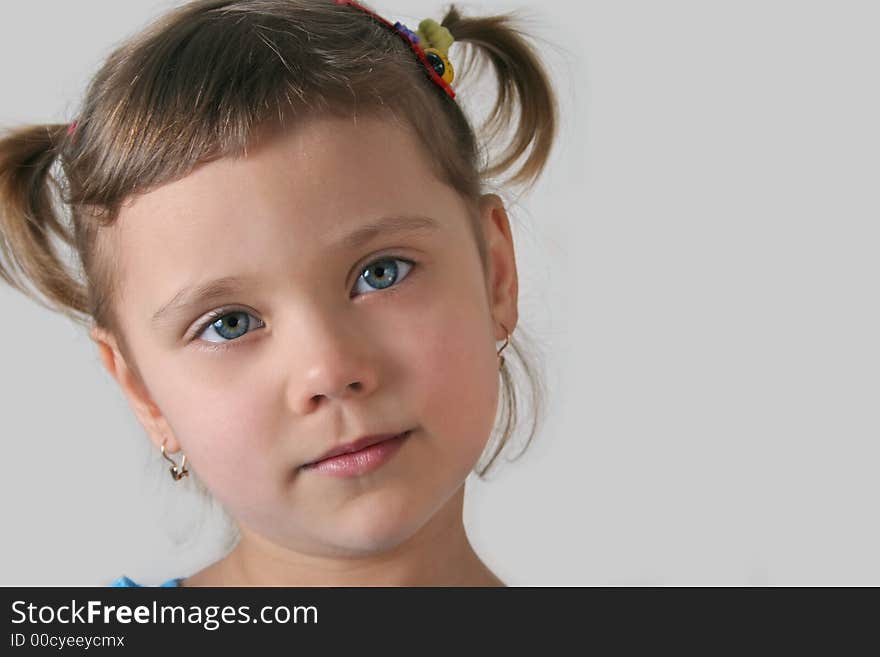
(145, 409)
(502, 279)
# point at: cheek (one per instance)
(226, 435)
(456, 368)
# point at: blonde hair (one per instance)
(201, 83)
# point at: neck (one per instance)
(439, 554)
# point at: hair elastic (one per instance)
(435, 38)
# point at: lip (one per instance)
(374, 454)
(357, 445)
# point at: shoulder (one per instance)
(125, 581)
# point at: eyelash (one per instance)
(220, 313)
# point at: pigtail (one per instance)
(28, 220)
(522, 80)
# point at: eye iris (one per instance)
(232, 320)
(385, 269)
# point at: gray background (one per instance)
(699, 265)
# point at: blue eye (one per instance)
(230, 326)
(385, 272)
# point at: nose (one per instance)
(331, 359)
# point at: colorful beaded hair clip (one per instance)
(430, 43)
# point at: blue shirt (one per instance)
(125, 581)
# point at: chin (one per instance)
(365, 529)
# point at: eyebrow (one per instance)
(204, 292)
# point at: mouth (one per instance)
(357, 445)
(359, 461)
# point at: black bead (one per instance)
(436, 62)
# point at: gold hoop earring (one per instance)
(506, 341)
(177, 473)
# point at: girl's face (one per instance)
(322, 333)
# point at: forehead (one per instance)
(274, 208)
(328, 167)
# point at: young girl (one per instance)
(290, 266)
